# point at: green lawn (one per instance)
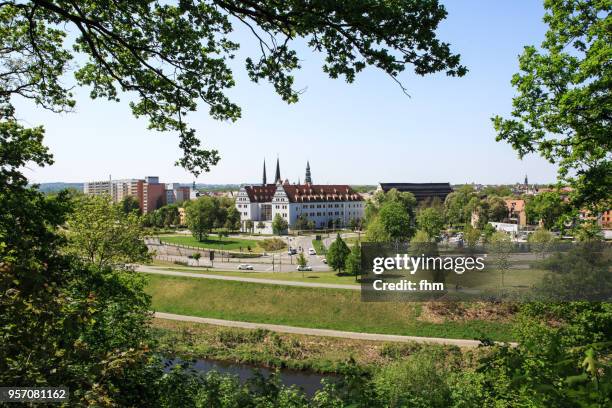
(228, 244)
(339, 309)
(316, 277)
(350, 241)
(319, 247)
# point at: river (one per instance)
(308, 381)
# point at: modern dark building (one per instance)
(421, 191)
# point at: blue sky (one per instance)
(360, 133)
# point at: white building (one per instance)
(323, 204)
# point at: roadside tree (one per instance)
(279, 225)
(301, 223)
(201, 215)
(337, 254)
(301, 260)
(353, 261)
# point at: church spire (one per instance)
(308, 179)
(264, 181)
(277, 177)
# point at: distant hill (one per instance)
(216, 187)
(55, 187)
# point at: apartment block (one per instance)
(150, 193)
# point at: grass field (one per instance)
(308, 307)
(228, 244)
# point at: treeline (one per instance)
(395, 216)
(202, 215)
(207, 213)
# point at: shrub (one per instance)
(414, 382)
(272, 244)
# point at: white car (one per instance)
(312, 251)
(245, 267)
(304, 268)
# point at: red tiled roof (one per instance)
(260, 194)
(320, 192)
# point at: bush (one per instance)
(414, 382)
(272, 244)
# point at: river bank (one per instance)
(267, 349)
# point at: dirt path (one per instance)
(320, 332)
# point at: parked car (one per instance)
(292, 251)
(245, 267)
(312, 251)
(304, 268)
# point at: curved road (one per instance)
(160, 271)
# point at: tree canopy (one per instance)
(547, 207)
(279, 225)
(101, 233)
(201, 215)
(431, 221)
(173, 56)
(562, 110)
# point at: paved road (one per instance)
(277, 262)
(320, 332)
(263, 264)
(161, 271)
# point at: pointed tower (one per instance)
(308, 179)
(277, 177)
(264, 181)
(526, 180)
